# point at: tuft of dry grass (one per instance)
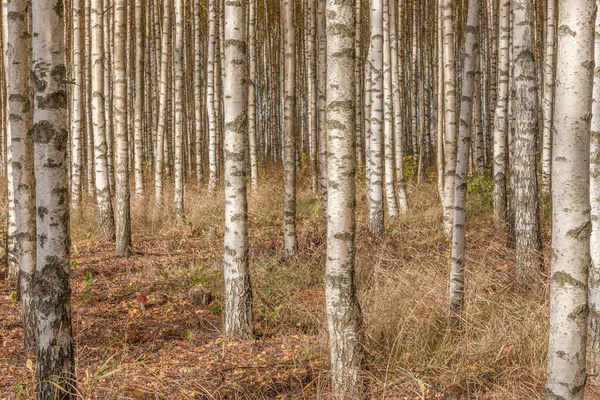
(177, 350)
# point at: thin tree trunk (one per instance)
(289, 130)
(140, 96)
(211, 99)
(103, 197)
(252, 84)
(376, 215)
(388, 116)
(18, 60)
(123, 218)
(179, 112)
(501, 118)
(322, 98)
(548, 103)
(78, 119)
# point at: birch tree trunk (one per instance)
(159, 156)
(548, 104)
(388, 116)
(289, 131)
(123, 218)
(103, 196)
(399, 117)
(469, 70)
(501, 118)
(376, 215)
(199, 78)
(238, 293)
(527, 231)
(179, 113)
(140, 96)
(343, 311)
(447, 9)
(211, 101)
(12, 257)
(566, 374)
(19, 90)
(252, 84)
(55, 372)
(322, 98)
(77, 127)
(594, 279)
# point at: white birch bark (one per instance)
(289, 130)
(376, 215)
(252, 85)
(211, 99)
(447, 9)
(469, 69)
(140, 97)
(527, 230)
(103, 196)
(322, 98)
(159, 156)
(55, 372)
(594, 279)
(388, 119)
(238, 293)
(343, 311)
(178, 61)
(123, 217)
(501, 117)
(548, 104)
(77, 123)
(570, 261)
(19, 90)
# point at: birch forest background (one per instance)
(300, 199)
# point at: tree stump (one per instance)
(200, 295)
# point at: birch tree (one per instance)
(343, 311)
(55, 372)
(210, 95)
(123, 218)
(140, 94)
(548, 104)
(103, 194)
(18, 60)
(447, 10)
(375, 153)
(525, 199)
(179, 116)
(469, 70)
(238, 293)
(289, 130)
(501, 117)
(77, 126)
(252, 83)
(566, 374)
(594, 273)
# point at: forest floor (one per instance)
(176, 350)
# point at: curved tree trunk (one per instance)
(566, 374)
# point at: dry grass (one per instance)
(176, 350)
